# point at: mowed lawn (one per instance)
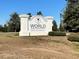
(44, 47)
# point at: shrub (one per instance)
(16, 34)
(57, 34)
(73, 38)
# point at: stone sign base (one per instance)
(33, 34)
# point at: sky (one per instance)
(47, 7)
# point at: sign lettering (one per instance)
(37, 26)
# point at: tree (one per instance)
(1, 28)
(5, 28)
(54, 27)
(61, 28)
(39, 13)
(71, 15)
(30, 15)
(14, 23)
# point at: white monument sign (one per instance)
(35, 26)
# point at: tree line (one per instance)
(69, 22)
(71, 16)
(13, 25)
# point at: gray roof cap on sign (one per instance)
(49, 17)
(24, 16)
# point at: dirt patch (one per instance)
(14, 47)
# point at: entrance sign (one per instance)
(35, 26)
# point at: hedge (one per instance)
(74, 38)
(57, 34)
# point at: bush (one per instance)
(73, 38)
(16, 34)
(57, 34)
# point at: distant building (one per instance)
(35, 26)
